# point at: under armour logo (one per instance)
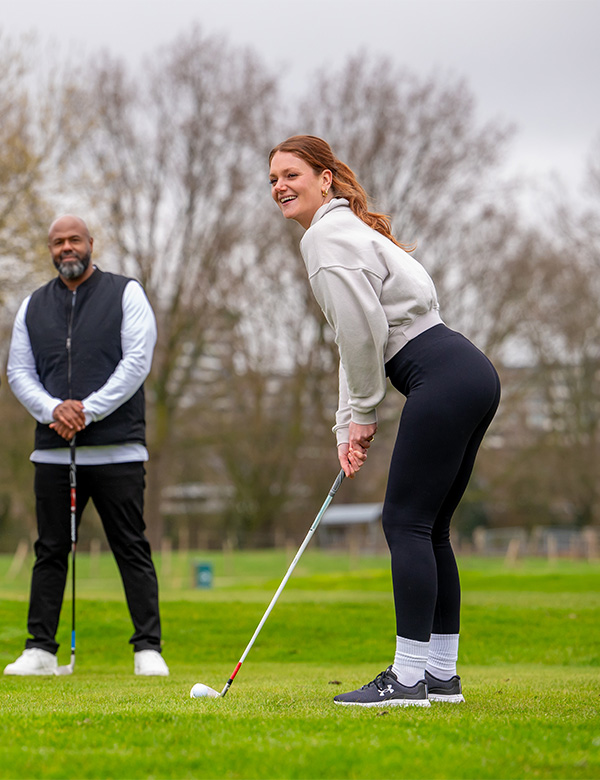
(387, 689)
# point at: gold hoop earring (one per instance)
(324, 193)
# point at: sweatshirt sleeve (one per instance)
(349, 298)
(342, 416)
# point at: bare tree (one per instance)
(546, 470)
(171, 159)
(33, 115)
(564, 334)
(32, 106)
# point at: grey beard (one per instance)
(73, 269)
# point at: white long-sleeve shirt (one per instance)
(138, 339)
(375, 296)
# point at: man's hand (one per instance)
(69, 418)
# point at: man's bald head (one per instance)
(69, 223)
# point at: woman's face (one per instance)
(296, 188)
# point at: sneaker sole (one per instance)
(455, 698)
(44, 673)
(388, 703)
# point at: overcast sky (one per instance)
(535, 63)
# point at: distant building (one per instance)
(354, 526)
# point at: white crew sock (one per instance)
(409, 661)
(443, 654)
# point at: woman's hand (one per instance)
(353, 454)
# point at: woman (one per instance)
(383, 308)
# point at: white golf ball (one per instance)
(200, 691)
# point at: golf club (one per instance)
(68, 669)
(200, 690)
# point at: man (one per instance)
(81, 349)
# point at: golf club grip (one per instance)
(337, 483)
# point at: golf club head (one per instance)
(68, 669)
(60, 670)
(201, 691)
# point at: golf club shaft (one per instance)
(73, 486)
(291, 568)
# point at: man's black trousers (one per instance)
(117, 491)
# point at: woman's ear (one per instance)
(326, 179)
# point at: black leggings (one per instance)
(452, 392)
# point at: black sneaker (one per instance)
(386, 691)
(444, 690)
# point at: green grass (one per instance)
(530, 662)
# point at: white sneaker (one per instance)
(150, 663)
(33, 661)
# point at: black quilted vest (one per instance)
(76, 342)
